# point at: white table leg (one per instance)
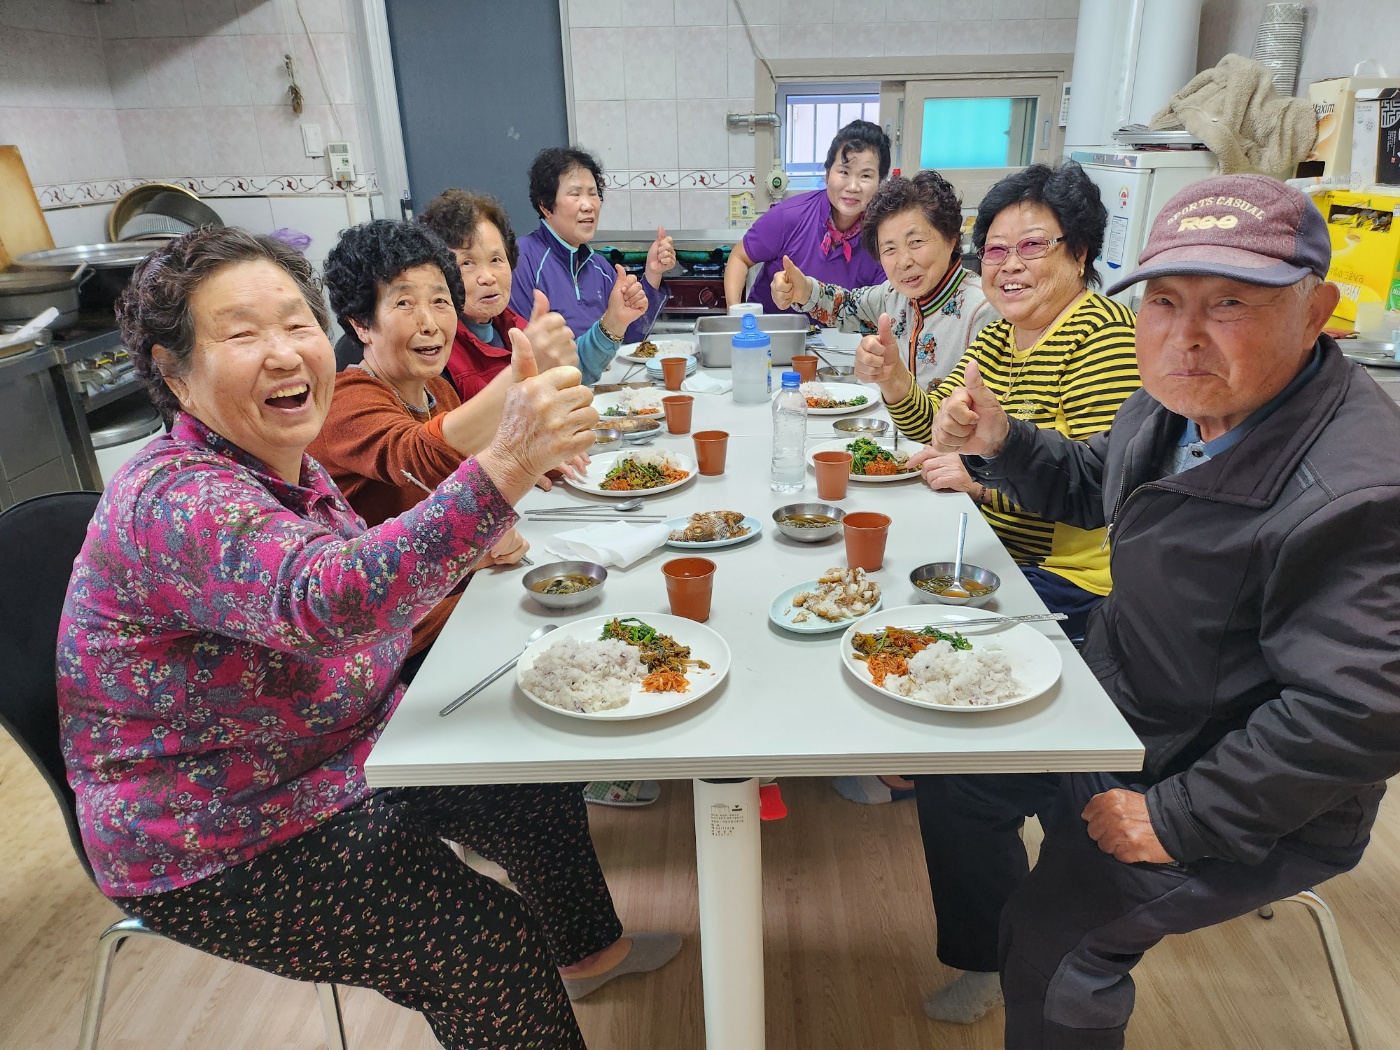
(728, 857)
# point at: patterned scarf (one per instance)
(835, 238)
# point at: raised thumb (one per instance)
(885, 329)
(790, 268)
(976, 387)
(621, 274)
(541, 307)
(522, 357)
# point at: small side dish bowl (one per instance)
(837, 374)
(606, 437)
(975, 573)
(536, 579)
(809, 533)
(861, 426)
(636, 429)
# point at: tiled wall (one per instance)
(653, 80)
(99, 96)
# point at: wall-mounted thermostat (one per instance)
(342, 167)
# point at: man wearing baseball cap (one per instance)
(1251, 491)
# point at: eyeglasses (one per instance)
(1030, 248)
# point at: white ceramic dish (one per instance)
(754, 526)
(600, 465)
(613, 399)
(704, 644)
(847, 391)
(781, 613)
(664, 348)
(840, 446)
(654, 370)
(1033, 657)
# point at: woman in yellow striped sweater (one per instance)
(1063, 358)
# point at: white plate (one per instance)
(842, 410)
(1033, 657)
(655, 371)
(600, 465)
(840, 446)
(603, 402)
(664, 348)
(755, 527)
(704, 644)
(781, 613)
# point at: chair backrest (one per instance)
(39, 539)
(348, 351)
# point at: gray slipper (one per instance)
(649, 951)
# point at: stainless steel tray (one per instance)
(788, 333)
(1370, 352)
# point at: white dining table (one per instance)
(788, 707)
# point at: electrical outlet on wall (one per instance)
(342, 167)
(313, 140)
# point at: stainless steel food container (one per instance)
(816, 534)
(787, 331)
(592, 570)
(985, 577)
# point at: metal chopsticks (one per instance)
(983, 621)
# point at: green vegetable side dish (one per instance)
(865, 452)
(614, 411)
(956, 640)
(629, 630)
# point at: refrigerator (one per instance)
(1135, 185)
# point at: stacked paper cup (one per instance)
(1279, 44)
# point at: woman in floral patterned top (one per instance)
(229, 653)
(935, 306)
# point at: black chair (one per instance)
(39, 539)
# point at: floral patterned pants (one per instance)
(375, 898)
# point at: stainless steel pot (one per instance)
(28, 293)
(113, 263)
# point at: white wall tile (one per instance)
(648, 13)
(116, 20)
(805, 41)
(702, 62)
(702, 140)
(279, 137)
(49, 16)
(264, 58)
(86, 71)
(870, 13)
(93, 142)
(602, 128)
(964, 38)
(1018, 9)
(741, 141)
(260, 16)
(160, 18)
(253, 214)
(233, 140)
(806, 12)
(32, 130)
(335, 60)
(1059, 35)
(914, 38)
(85, 225)
(741, 56)
(902, 11)
(651, 135)
(650, 68)
(1061, 8)
(704, 209)
(865, 39)
(322, 16)
(598, 63)
(1013, 37)
(170, 72)
(759, 12)
(27, 81)
(126, 73)
(594, 13)
(222, 72)
(323, 219)
(616, 213)
(209, 17)
(653, 208)
(702, 12)
(165, 143)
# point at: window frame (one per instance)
(808, 177)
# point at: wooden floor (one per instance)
(849, 949)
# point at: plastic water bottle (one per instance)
(752, 352)
(789, 436)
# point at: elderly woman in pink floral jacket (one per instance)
(230, 651)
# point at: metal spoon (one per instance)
(635, 503)
(956, 589)
(535, 636)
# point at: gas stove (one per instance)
(696, 283)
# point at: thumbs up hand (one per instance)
(791, 287)
(879, 360)
(971, 420)
(661, 257)
(549, 337)
(626, 302)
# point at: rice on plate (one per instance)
(585, 676)
(950, 677)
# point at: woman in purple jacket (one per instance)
(819, 231)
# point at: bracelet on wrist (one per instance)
(604, 329)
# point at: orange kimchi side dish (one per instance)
(880, 468)
(882, 664)
(665, 682)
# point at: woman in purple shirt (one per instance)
(819, 231)
(230, 651)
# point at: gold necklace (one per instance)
(432, 401)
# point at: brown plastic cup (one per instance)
(866, 532)
(689, 584)
(805, 365)
(710, 448)
(673, 371)
(833, 474)
(678, 410)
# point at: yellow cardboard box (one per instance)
(1365, 233)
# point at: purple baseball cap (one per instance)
(1246, 227)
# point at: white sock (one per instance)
(965, 999)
